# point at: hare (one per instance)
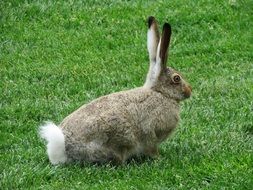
(129, 123)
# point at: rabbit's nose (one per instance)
(190, 87)
(187, 91)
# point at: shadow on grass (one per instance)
(133, 161)
(249, 129)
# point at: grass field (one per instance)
(56, 56)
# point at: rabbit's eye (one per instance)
(176, 78)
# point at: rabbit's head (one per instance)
(161, 78)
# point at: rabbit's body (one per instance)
(124, 124)
(119, 125)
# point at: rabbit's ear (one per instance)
(152, 43)
(152, 38)
(161, 55)
(162, 51)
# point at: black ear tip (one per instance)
(166, 26)
(150, 20)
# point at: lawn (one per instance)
(57, 55)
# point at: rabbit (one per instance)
(115, 127)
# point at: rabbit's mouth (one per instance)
(187, 91)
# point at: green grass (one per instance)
(56, 56)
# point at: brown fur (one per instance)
(123, 124)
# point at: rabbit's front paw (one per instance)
(152, 152)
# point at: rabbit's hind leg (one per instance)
(100, 154)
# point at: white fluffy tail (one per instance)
(56, 142)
